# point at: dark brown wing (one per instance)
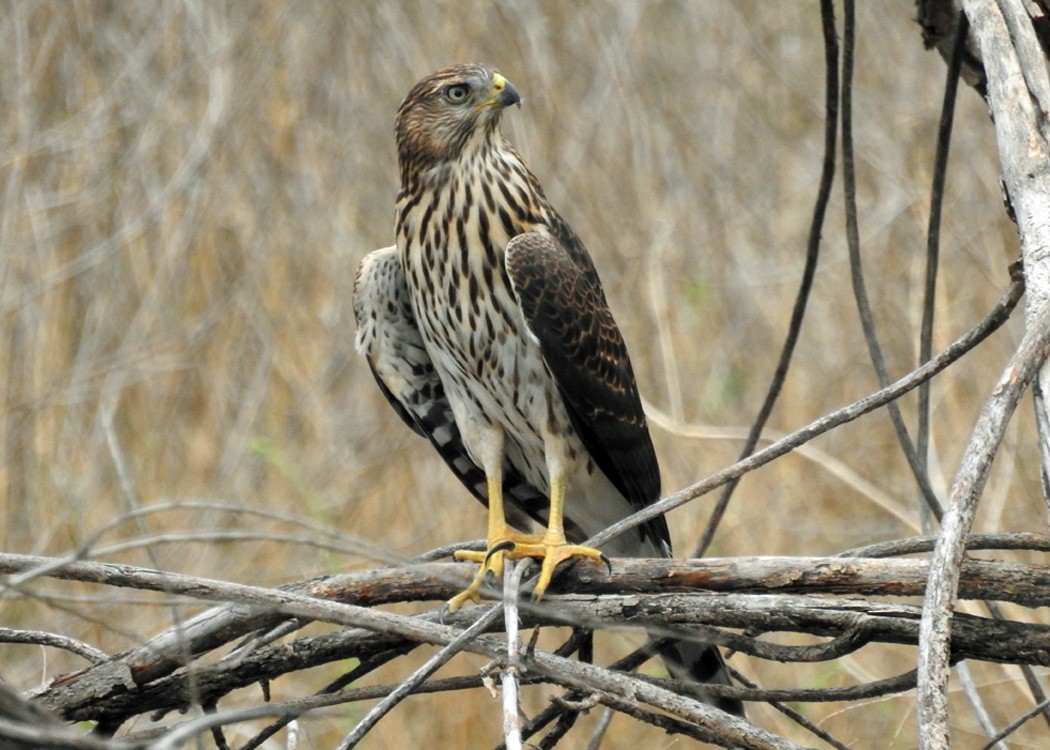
(564, 307)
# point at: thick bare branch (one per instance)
(982, 579)
(850, 623)
(947, 561)
(1019, 99)
(659, 594)
(946, 564)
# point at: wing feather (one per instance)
(565, 309)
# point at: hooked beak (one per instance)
(503, 94)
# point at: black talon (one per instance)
(442, 612)
(605, 560)
(506, 546)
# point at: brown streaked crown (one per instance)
(441, 113)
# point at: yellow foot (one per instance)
(491, 561)
(553, 552)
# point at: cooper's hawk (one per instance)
(488, 331)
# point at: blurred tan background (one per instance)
(187, 187)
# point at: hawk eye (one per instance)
(457, 92)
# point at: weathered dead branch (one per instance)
(755, 595)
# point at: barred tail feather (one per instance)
(700, 664)
(687, 660)
(690, 660)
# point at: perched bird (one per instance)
(487, 329)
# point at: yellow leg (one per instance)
(499, 535)
(553, 549)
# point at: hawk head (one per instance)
(446, 111)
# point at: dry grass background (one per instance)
(188, 186)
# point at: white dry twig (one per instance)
(509, 676)
(943, 581)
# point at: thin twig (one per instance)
(889, 686)
(595, 742)
(291, 709)
(795, 716)
(332, 693)
(984, 719)
(43, 638)
(1042, 424)
(919, 544)
(933, 244)
(566, 720)
(860, 292)
(1017, 724)
(409, 685)
(558, 708)
(57, 737)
